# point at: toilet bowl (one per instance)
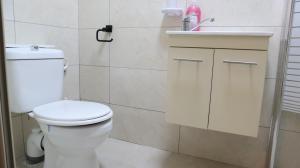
(73, 130)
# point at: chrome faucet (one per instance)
(205, 20)
(186, 22)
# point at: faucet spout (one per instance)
(205, 20)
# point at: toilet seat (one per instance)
(73, 123)
(71, 113)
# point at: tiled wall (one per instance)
(288, 149)
(52, 22)
(130, 73)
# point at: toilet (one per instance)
(72, 129)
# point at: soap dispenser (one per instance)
(193, 12)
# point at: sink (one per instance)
(220, 39)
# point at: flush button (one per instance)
(34, 47)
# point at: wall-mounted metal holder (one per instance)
(107, 29)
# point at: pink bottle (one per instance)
(194, 13)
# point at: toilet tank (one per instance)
(34, 77)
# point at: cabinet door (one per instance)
(189, 86)
(237, 91)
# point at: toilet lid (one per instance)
(68, 110)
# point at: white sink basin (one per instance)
(220, 33)
(220, 39)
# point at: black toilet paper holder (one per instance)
(107, 29)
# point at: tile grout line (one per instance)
(178, 147)
(79, 55)
(14, 21)
(146, 69)
(137, 108)
(150, 110)
(291, 131)
(138, 69)
(179, 26)
(41, 24)
(109, 60)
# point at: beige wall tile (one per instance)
(268, 102)
(93, 52)
(9, 32)
(8, 9)
(288, 150)
(94, 83)
(71, 83)
(290, 121)
(234, 149)
(63, 38)
(93, 13)
(147, 48)
(17, 135)
(55, 12)
(244, 13)
(138, 88)
(145, 128)
(141, 13)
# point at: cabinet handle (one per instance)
(190, 60)
(239, 62)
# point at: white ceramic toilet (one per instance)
(72, 129)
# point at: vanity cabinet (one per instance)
(216, 88)
(237, 91)
(189, 81)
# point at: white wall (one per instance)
(52, 22)
(130, 73)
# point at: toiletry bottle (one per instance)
(194, 13)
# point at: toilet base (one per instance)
(74, 147)
(78, 162)
(56, 159)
